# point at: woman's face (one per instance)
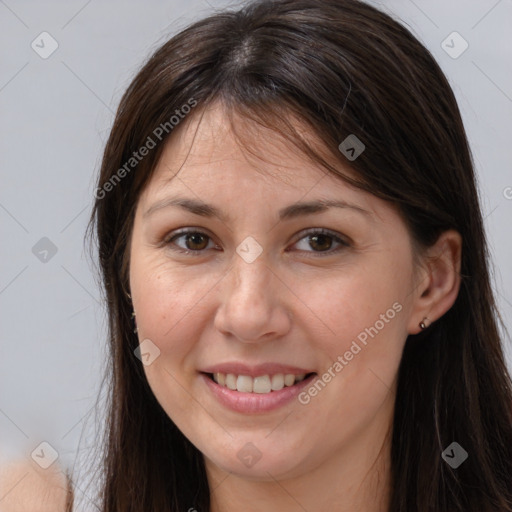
(263, 293)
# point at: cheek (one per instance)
(363, 315)
(165, 293)
(351, 302)
(170, 305)
(366, 315)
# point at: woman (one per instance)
(378, 379)
(295, 268)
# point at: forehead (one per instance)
(207, 152)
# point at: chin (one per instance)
(268, 467)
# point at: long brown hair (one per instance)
(342, 67)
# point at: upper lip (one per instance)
(238, 368)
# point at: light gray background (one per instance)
(55, 117)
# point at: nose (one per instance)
(253, 307)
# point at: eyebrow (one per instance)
(289, 212)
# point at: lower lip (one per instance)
(255, 402)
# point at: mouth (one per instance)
(263, 384)
(255, 395)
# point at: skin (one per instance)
(294, 304)
(25, 487)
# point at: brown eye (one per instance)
(196, 241)
(321, 241)
(192, 242)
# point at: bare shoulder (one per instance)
(24, 487)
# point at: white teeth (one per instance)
(277, 382)
(260, 384)
(220, 378)
(289, 379)
(244, 384)
(231, 381)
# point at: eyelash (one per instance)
(313, 231)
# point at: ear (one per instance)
(439, 282)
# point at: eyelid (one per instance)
(324, 231)
(343, 240)
(170, 237)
